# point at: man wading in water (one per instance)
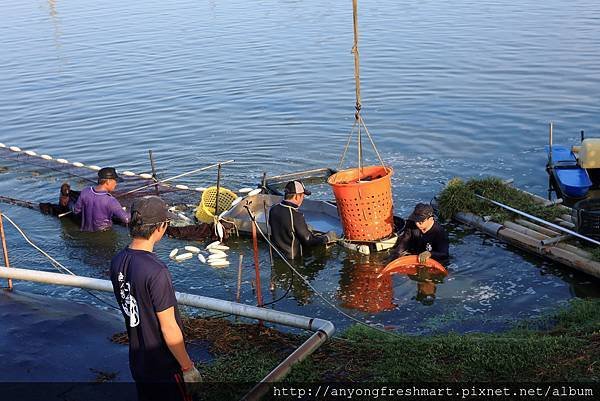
(423, 236)
(97, 206)
(159, 362)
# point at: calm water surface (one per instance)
(461, 89)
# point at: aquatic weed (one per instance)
(459, 196)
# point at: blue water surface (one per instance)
(463, 88)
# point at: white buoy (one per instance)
(78, 164)
(95, 167)
(2, 145)
(200, 189)
(30, 153)
(201, 258)
(244, 190)
(212, 244)
(192, 249)
(254, 192)
(15, 148)
(173, 253)
(181, 186)
(128, 173)
(46, 157)
(63, 161)
(184, 256)
(146, 176)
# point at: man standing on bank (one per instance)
(289, 231)
(425, 236)
(97, 206)
(158, 360)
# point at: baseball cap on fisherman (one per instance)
(150, 210)
(109, 173)
(421, 213)
(296, 187)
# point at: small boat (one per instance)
(568, 179)
(574, 171)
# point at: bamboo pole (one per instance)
(536, 227)
(5, 250)
(564, 254)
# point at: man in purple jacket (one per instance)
(97, 206)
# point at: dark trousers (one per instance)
(172, 389)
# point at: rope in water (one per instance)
(315, 290)
(54, 262)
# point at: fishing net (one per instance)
(181, 199)
(126, 191)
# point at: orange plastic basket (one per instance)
(364, 202)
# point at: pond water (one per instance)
(448, 89)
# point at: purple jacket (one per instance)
(98, 209)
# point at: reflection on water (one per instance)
(309, 266)
(363, 288)
(360, 287)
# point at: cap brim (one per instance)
(414, 218)
(307, 192)
(119, 179)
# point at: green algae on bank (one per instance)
(564, 346)
(459, 196)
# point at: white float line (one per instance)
(126, 173)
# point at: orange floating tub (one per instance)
(409, 264)
(364, 201)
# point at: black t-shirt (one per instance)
(142, 286)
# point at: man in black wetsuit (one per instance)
(289, 231)
(423, 236)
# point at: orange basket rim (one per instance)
(389, 170)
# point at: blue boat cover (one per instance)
(561, 154)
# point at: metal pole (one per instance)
(153, 172)
(5, 249)
(323, 329)
(539, 220)
(550, 152)
(356, 56)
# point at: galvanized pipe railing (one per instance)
(323, 328)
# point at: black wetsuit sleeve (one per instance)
(404, 243)
(440, 247)
(304, 235)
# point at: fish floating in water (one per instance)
(201, 258)
(192, 249)
(254, 192)
(219, 263)
(184, 256)
(173, 253)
